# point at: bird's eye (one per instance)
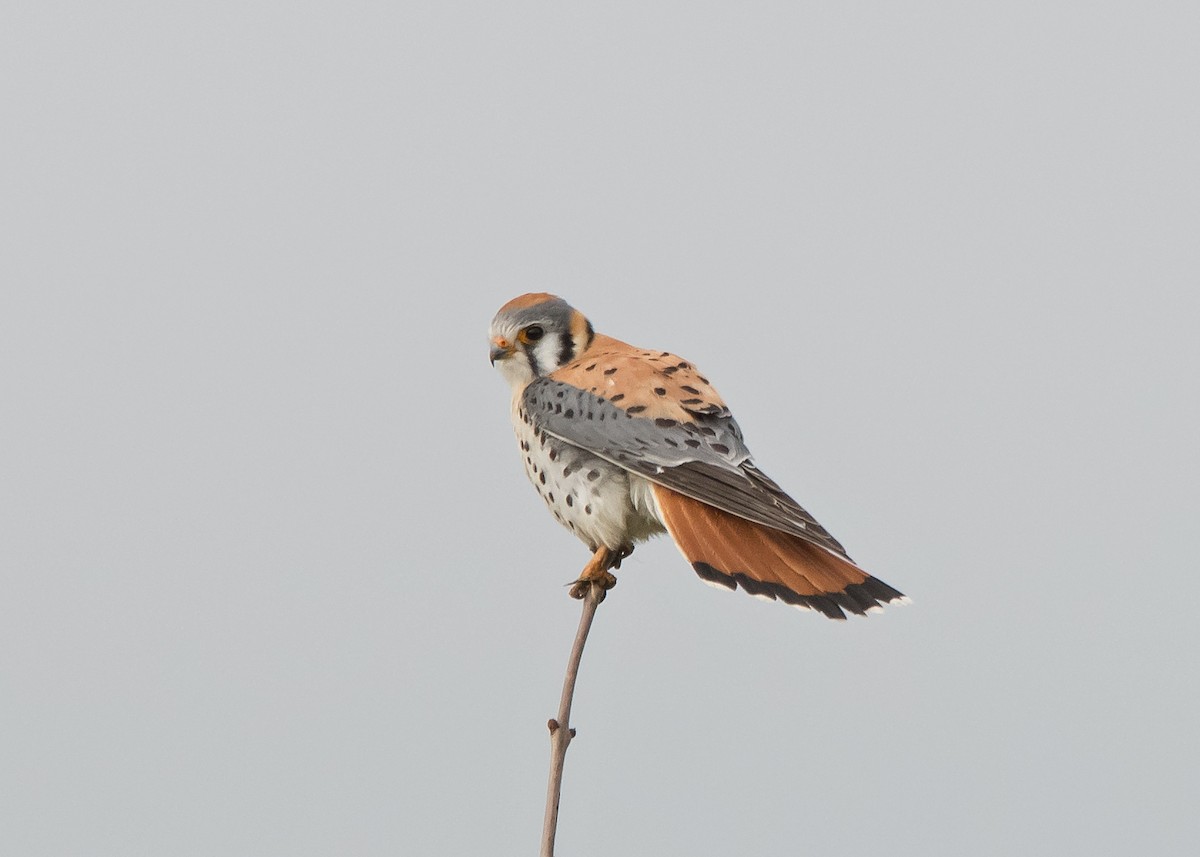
(533, 333)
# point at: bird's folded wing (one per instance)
(699, 455)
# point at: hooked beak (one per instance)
(501, 348)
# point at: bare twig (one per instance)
(561, 732)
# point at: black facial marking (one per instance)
(566, 351)
(533, 361)
(687, 388)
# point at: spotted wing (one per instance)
(700, 455)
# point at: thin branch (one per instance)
(561, 732)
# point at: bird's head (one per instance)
(535, 334)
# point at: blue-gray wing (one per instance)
(704, 457)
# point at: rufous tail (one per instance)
(728, 551)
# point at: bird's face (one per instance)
(535, 334)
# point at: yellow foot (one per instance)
(606, 581)
(596, 572)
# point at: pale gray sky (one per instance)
(273, 582)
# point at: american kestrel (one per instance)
(624, 443)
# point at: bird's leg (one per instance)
(596, 572)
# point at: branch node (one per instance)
(552, 725)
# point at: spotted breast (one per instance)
(601, 503)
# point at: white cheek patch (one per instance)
(548, 352)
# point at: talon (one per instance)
(620, 554)
(579, 589)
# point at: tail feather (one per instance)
(729, 551)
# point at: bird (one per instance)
(625, 443)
